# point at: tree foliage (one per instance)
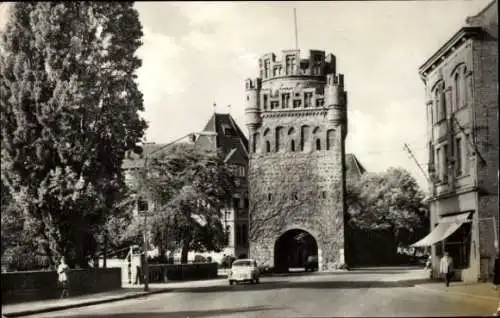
(390, 201)
(69, 112)
(188, 188)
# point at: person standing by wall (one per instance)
(62, 271)
(446, 268)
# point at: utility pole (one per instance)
(407, 148)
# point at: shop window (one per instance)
(458, 245)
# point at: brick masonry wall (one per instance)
(485, 52)
(307, 174)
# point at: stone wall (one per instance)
(297, 190)
(39, 285)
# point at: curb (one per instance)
(82, 304)
(456, 293)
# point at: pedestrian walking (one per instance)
(62, 271)
(446, 268)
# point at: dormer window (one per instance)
(320, 102)
(228, 130)
(296, 103)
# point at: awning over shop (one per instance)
(447, 225)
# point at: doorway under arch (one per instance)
(293, 248)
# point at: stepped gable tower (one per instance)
(296, 114)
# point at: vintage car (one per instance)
(244, 270)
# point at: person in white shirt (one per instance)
(446, 268)
(62, 271)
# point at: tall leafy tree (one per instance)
(188, 188)
(69, 112)
(390, 202)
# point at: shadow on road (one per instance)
(181, 314)
(272, 285)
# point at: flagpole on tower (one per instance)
(214, 106)
(295, 25)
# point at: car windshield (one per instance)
(242, 263)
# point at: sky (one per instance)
(196, 54)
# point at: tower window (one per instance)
(307, 99)
(294, 196)
(323, 194)
(265, 101)
(318, 144)
(292, 145)
(290, 65)
(267, 68)
(269, 196)
(268, 146)
(285, 100)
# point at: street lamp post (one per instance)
(145, 169)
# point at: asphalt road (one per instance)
(377, 292)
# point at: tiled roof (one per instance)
(227, 142)
(354, 169)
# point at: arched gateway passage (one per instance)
(292, 250)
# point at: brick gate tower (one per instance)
(297, 120)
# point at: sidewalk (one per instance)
(478, 290)
(126, 292)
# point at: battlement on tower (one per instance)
(335, 79)
(253, 84)
(316, 64)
